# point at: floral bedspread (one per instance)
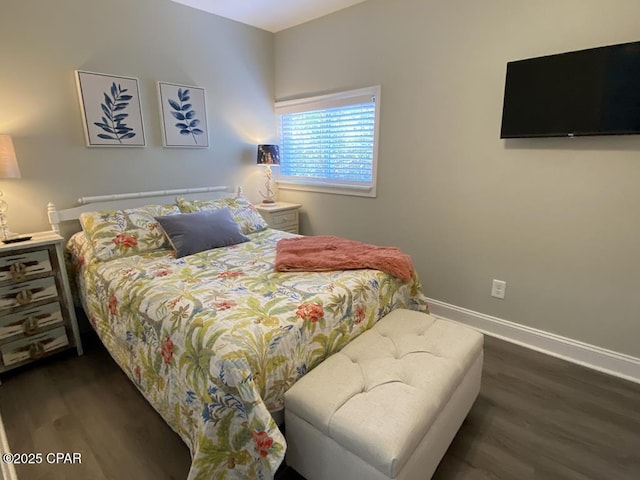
(213, 340)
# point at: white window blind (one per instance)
(329, 143)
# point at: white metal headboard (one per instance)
(118, 201)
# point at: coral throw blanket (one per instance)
(322, 253)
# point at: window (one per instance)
(330, 143)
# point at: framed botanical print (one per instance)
(111, 111)
(183, 115)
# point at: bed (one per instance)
(214, 339)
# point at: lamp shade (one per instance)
(8, 162)
(268, 155)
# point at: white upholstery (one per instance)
(388, 405)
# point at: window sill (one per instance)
(332, 188)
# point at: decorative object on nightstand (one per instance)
(8, 169)
(268, 155)
(37, 316)
(281, 215)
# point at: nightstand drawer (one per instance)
(36, 309)
(24, 265)
(281, 220)
(25, 293)
(281, 215)
(35, 347)
(290, 228)
(31, 321)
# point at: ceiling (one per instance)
(270, 15)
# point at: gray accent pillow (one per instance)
(191, 233)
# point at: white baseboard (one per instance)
(591, 356)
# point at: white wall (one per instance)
(42, 42)
(555, 218)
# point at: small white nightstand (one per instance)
(37, 317)
(281, 215)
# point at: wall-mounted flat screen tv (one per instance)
(587, 92)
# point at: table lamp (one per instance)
(8, 169)
(268, 155)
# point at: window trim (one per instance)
(327, 101)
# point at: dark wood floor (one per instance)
(537, 417)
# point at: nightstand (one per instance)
(281, 215)
(37, 317)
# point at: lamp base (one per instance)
(268, 201)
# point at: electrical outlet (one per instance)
(498, 288)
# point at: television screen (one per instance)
(588, 92)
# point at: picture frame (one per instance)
(111, 110)
(183, 115)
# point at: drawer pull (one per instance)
(24, 297)
(18, 272)
(30, 326)
(36, 350)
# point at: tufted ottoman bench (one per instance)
(388, 405)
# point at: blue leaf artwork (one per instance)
(183, 112)
(112, 122)
(111, 110)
